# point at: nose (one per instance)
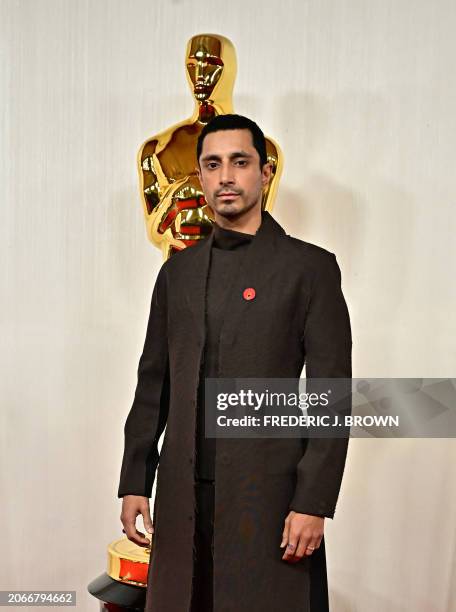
(226, 175)
(200, 71)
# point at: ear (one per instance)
(198, 172)
(266, 174)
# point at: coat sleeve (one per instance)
(327, 345)
(148, 414)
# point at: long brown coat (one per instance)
(298, 315)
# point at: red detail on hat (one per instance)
(249, 293)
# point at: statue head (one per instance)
(211, 68)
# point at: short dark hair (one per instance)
(234, 122)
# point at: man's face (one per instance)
(230, 172)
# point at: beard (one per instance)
(234, 209)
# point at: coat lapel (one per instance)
(255, 272)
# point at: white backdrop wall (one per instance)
(361, 96)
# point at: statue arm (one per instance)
(152, 179)
(275, 158)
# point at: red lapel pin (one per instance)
(249, 293)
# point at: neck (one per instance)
(215, 107)
(247, 222)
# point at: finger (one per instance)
(138, 538)
(304, 542)
(133, 534)
(286, 530)
(311, 546)
(148, 526)
(291, 546)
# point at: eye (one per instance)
(241, 162)
(211, 165)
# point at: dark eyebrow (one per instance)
(215, 157)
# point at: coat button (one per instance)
(249, 293)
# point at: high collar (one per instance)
(256, 270)
(266, 235)
(228, 239)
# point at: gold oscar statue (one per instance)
(176, 212)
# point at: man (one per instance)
(238, 525)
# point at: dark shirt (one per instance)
(228, 249)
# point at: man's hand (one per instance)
(301, 534)
(132, 505)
